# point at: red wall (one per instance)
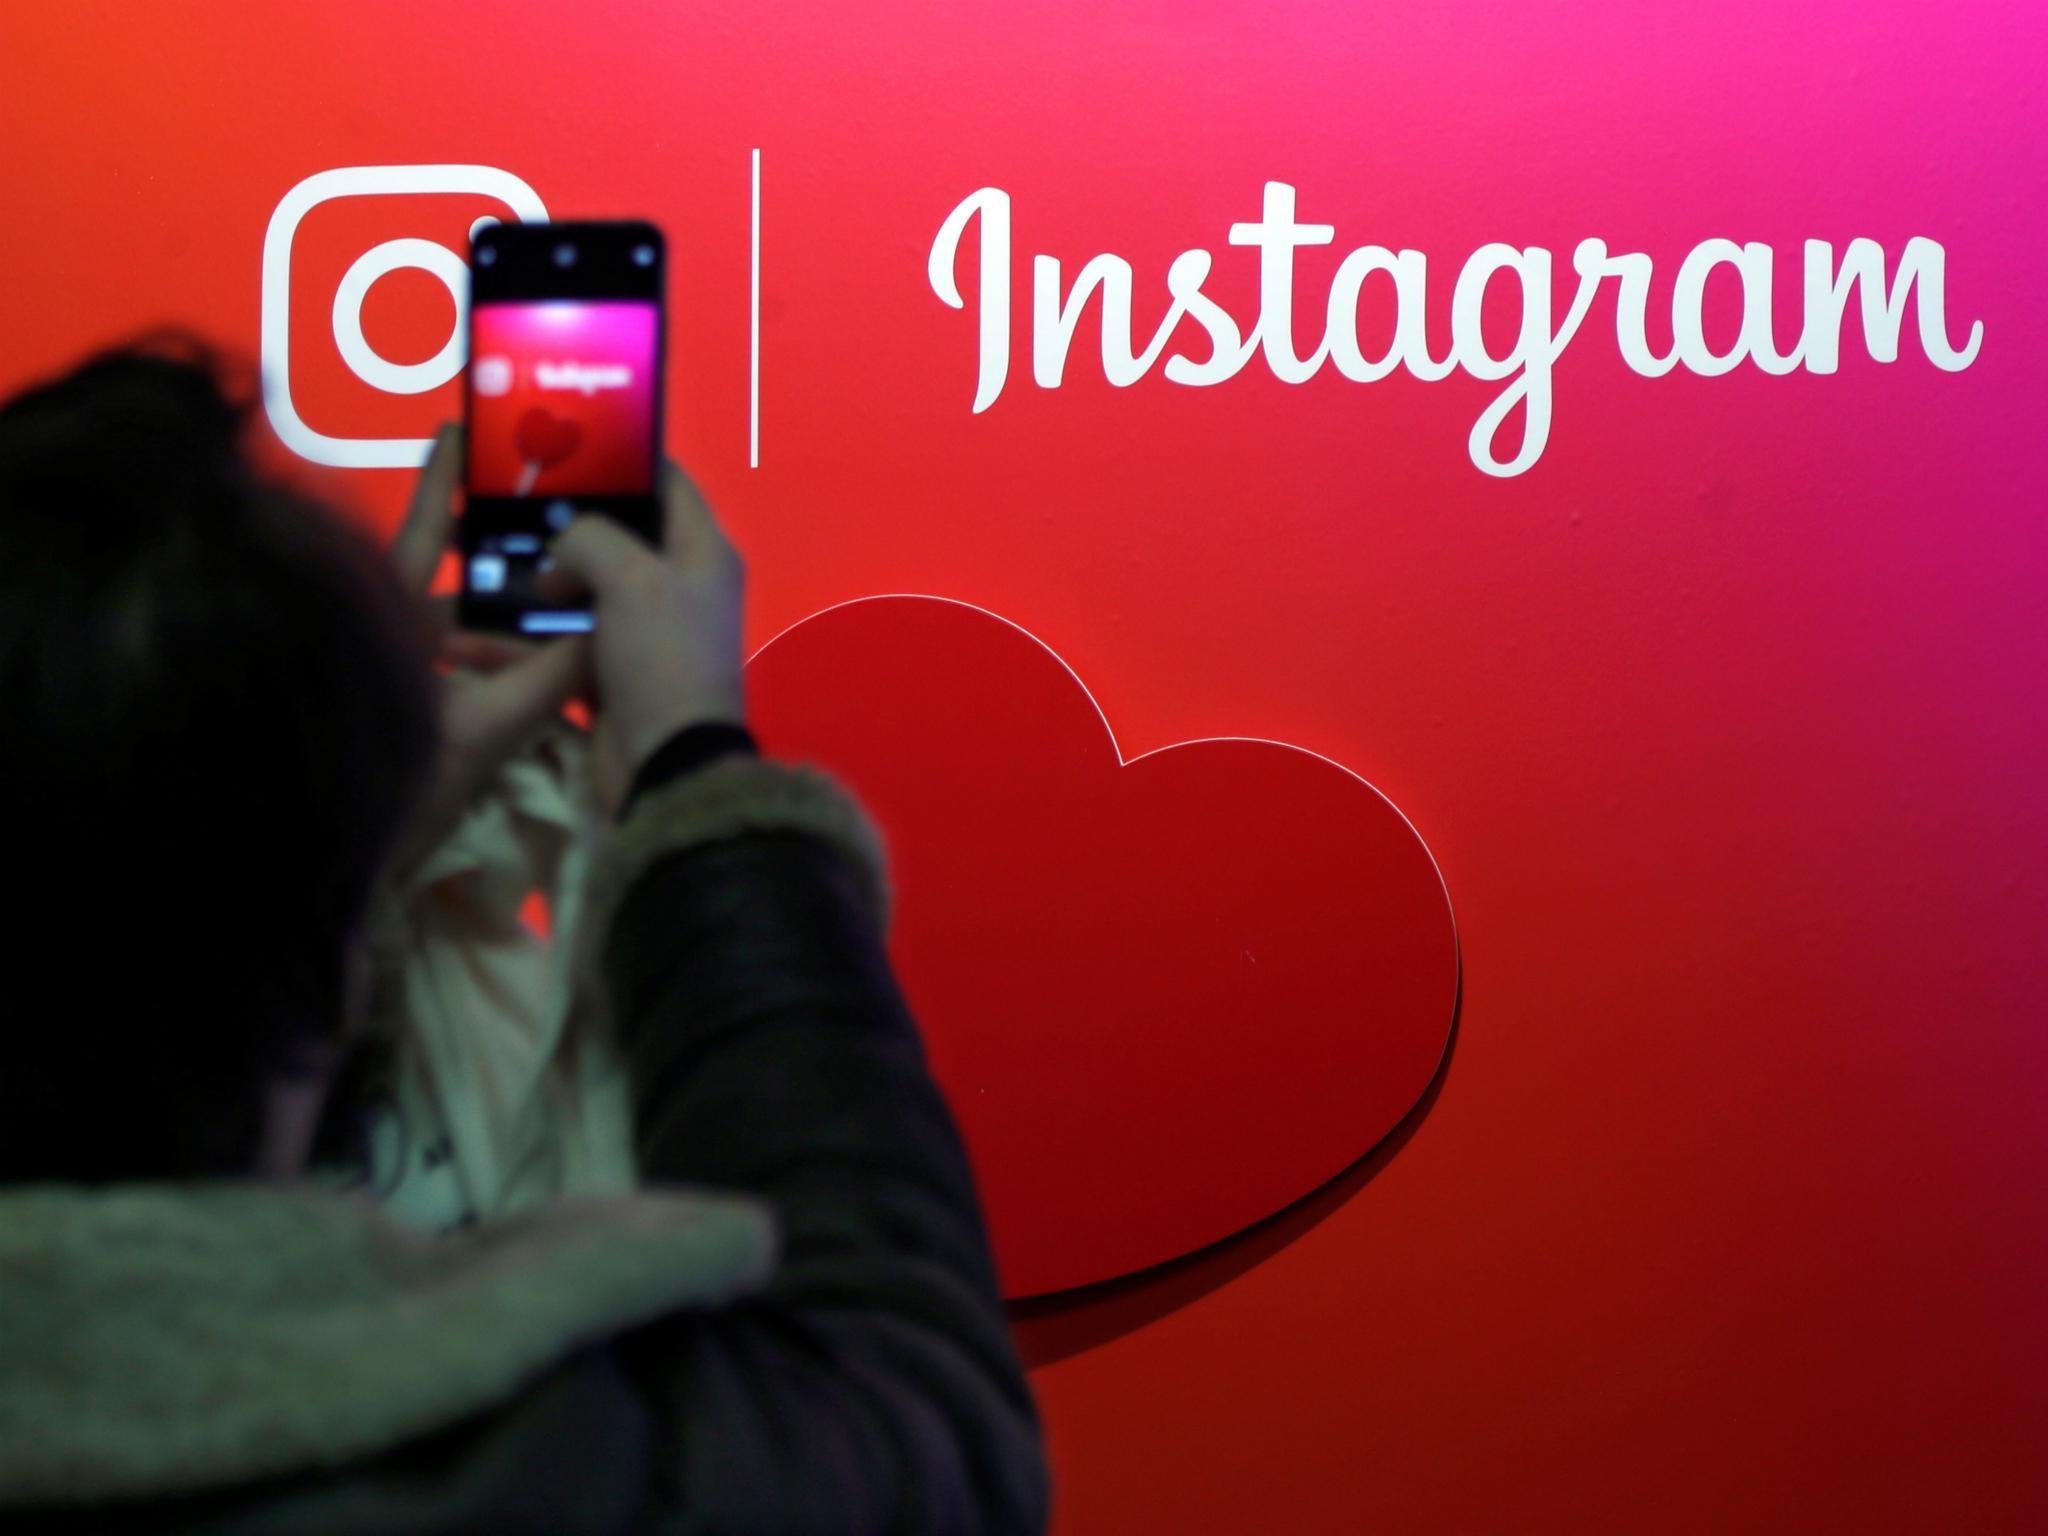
(1723, 721)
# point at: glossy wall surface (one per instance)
(1714, 709)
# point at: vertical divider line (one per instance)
(754, 332)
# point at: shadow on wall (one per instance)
(1050, 1328)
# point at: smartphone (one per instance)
(564, 404)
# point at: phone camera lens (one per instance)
(565, 255)
(643, 255)
(486, 254)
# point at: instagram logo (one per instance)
(492, 376)
(356, 382)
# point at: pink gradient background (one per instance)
(614, 453)
(1725, 723)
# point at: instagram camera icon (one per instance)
(361, 359)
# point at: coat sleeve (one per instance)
(871, 1386)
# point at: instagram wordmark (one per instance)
(585, 379)
(1056, 312)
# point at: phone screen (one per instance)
(565, 387)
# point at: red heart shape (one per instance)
(1165, 998)
(546, 439)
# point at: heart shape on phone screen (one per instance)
(1165, 997)
(546, 439)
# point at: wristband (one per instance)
(691, 747)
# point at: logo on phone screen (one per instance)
(365, 305)
(563, 398)
(491, 376)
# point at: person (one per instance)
(225, 728)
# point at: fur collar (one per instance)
(157, 1339)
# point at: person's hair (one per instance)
(219, 714)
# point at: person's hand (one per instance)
(499, 692)
(667, 650)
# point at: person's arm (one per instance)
(872, 1386)
(731, 937)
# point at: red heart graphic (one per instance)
(546, 439)
(1165, 998)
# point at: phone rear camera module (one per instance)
(643, 255)
(565, 255)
